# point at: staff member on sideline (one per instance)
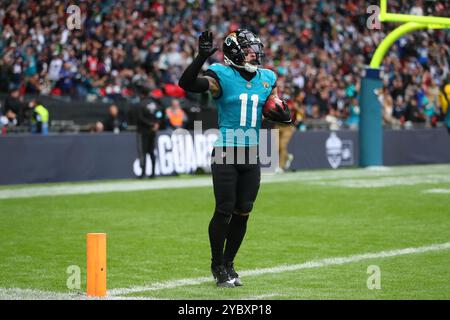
(39, 117)
(176, 117)
(148, 119)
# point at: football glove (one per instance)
(205, 44)
(281, 114)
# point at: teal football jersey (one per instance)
(240, 105)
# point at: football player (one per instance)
(240, 88)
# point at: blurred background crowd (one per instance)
(317, 48)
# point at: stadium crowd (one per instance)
(318, 49)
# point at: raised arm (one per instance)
(190, 80)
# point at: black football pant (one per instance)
(146, 144)
(236, 186)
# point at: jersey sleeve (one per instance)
(273, 79)
(216, 68)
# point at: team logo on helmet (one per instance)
(230, 39)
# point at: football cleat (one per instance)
(289, 161)
(221, 276)
(233, 274)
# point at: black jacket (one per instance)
(111, 123)
(16, 106)
(147, 117)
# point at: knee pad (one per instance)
(244, 208)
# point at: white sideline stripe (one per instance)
(174, 183)
(170, 284)
(100, 188)
(285, 268)
(377, 168)
(32, 294)
(437, 191)
(114, 294)
(387, 181)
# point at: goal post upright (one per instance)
(370, 128)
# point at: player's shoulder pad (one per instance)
(269, 74)
(217, 67)
(220, 69)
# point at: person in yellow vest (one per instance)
(176, 117)
(444, 98)
(445, 105)
(39, 117)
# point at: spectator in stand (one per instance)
(13, 109)
(399, 109)
(353, 115)
(387, 104)
(320, 47)
(114, 122)
(413, 114)
(332, 118)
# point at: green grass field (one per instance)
(158, 243)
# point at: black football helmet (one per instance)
(235, 47)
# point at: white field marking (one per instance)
(285, 268)
(100, 188)
(378, 168)
(18, 293)
(170, 284)
(436, 191)
(173, 183)
(32, 294)
(257, 297)
(387, 181)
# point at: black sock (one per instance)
(236, 233)
(218, 230)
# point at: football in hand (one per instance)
(270, 105)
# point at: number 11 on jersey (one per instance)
(244, 97)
